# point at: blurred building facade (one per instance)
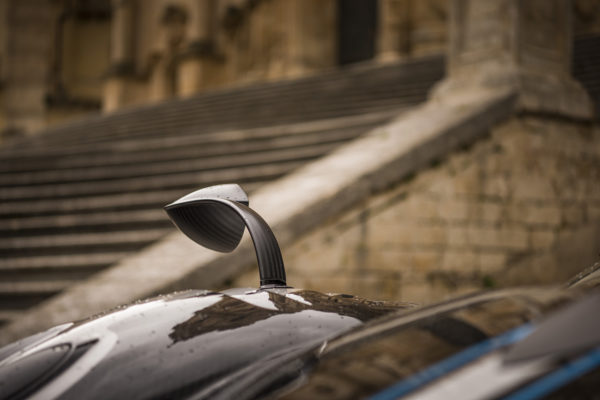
(62, 58)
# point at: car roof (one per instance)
(182, 342)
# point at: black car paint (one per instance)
(178, 345)
(277, 343)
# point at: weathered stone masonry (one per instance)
(462, 224)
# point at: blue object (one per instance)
(557, 379)
(452, 363)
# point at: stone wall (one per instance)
(461, 224)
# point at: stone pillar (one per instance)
(199, 21)
(3, 60)
(523, 45)
(28, 29)
(121, 54)
(411, 28)
(191, 71)
(310, 28)
(428, 30)
(160, 86)
(121, 40)
(394, 26)
(4, 45)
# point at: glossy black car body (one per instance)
(177, 345)
(295, 344)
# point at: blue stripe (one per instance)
(452, 363)
(558, 378)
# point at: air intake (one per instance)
(215, 217)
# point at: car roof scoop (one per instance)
(215, 217)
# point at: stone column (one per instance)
(410, 28)
(121, 54)
(394, 26)
(428, 34)
(4, 45)
(121, 40)
(160, 86)
(25, 63)
(191, 71)
(199, 21)
(523, 45)
(3, 60)
(310, 28)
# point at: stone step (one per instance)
(158, 168)
(359, 80)
(81, 243)
(237, 141)
(28, 275)
(112, 202)
(15, 296)
(60, 262)
(99, 140)
(179, 152)
(7, 316)
(33, 287)
(150, 183)
(248, 118)
(151, 199)
(102, 220)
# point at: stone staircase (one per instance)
(80, 197)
